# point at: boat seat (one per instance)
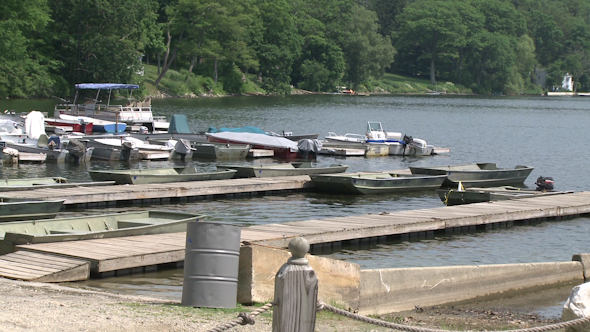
(135, 223)
(42, 141)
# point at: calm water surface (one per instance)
(549, 134)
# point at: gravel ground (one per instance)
(28, 306)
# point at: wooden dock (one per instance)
(163, 192)
(138, 253)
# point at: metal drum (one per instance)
(211, 265)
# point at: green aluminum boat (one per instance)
(220, 151)
(159, 175)
(375, 183)
(13, 209)
(477, 175)
(478, 195)
(93, 227)
(285, 169)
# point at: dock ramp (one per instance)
(43, 267)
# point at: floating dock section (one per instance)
(143, 253)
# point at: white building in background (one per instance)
(568, 83)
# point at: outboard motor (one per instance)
(544, 183)
(408, 139)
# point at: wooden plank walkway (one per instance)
(115, 254)
(104, 194)
(43, 267)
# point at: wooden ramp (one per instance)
(43, 267)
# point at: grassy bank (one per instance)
(175, 84)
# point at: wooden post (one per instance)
(296, 292)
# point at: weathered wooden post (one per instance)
(296, 292)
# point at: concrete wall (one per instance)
(338, 281)
(392, 290)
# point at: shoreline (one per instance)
(30, 306)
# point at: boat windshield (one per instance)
(374, 126)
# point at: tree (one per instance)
(279, 45)
(24, 69)
(430, 25)
(102, 41)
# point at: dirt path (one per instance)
(28, 306)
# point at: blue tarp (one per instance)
(106, 86)
(248, 129)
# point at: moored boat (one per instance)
(477, 175)
(285, 169)
(478, 195)
(219, 151)
(159, 175)
(375, 183)
(14, 209)
(282, 147)
(397, 144)
(93, 227)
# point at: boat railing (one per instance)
(135, 111)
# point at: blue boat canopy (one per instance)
(106, 86)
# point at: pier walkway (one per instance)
(91, 196)
(143, 253)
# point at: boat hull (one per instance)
(375, 183)
(21, 209)
(480, 195)
(164, 175)
(214, 151)
(288, 169)
(477, 175)
(93, 227)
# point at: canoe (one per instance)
(218, 151)
(375, 183)
(477, 175)
(286, 169)
(93, 227)
(478, 195)
(44, 183)
(32, 181)
(14, 209)
(159, 175)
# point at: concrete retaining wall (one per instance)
(392, 290)
(338, 281)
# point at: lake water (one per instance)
(548, 133)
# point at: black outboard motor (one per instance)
(544, 183)
(408, 139)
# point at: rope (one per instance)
(322, 306)
(244, 318)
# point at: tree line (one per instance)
(488, 46)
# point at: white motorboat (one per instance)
(398, 143)
(33, 140)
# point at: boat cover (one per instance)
(35, 124)
(310, 145)
(107, 86)
(179, 125)
(256, 139)
(247, 129)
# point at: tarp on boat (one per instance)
(179, 125)
(247, 129)
(310, 145)
(256, 139)
(35, 124)
(106, 86)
